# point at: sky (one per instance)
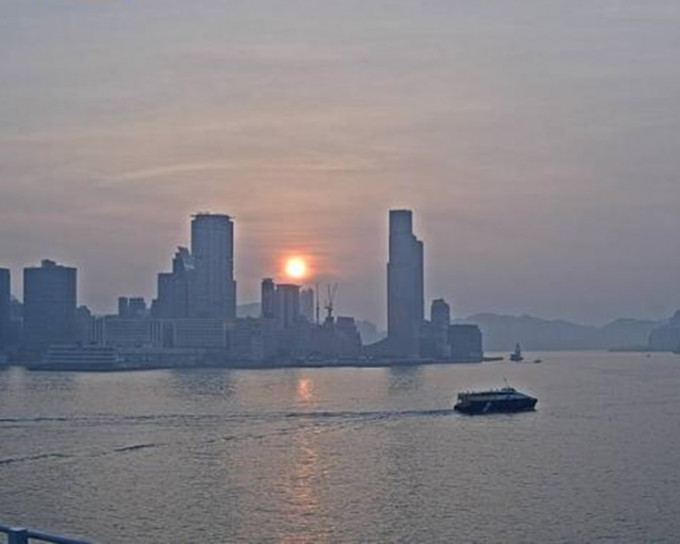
(538, 144)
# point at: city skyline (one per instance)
(539, 158)
(352, 271)
(307, 279)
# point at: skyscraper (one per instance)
(123, 307)
(213, 293)
(405, 286)
(49, 305)
(5, 298)
(287, 305)
(268, 298)
(307, 304)
(436, 339)
(440, 314)
(174, 287)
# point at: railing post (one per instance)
(17, 535)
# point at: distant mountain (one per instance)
(626, 333)
(502, 332)
(667, 336)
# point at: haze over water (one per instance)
(536, 142)
(346, 455)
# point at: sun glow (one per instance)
(296, 268)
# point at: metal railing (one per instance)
(20, 535)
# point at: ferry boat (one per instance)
(96, 358)
(69, 357)
(504, 400)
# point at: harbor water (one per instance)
(346, 454)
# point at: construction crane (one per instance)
(316, 296)
(330, 297)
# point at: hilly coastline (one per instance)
(502, 332)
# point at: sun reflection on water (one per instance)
(305, 390)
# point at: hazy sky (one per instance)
(538, 143)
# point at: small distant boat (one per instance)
(505, 400)
(536, 361)
(516, 355)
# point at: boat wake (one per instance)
(367, 415)
(38, 457)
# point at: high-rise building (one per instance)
(49, 305)
(5, 305)
(465, 342)
(287, 305)
(121, 332)
(132, 307)
(174, 287)
(440, 314)
(123, 307)
(307, 304)
(405, 286)
(268, 298)
(213, 290)
(137, 307)
(434, 340)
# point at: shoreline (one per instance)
(387, 363)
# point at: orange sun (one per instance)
(296, 268)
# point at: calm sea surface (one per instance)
(346, 455)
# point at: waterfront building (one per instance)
(128, 332)
(465, 342)
(405, 286)
(5, 308)
(337, 338)
(440, 314)
(199, 333)
(282, 331)
(252, 340)
(84, 325)
(213, 291)
(435, 340)
(348, 337)
(49, 305)
(434, 334)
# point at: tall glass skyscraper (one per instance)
(405, 286)
(213, 290)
